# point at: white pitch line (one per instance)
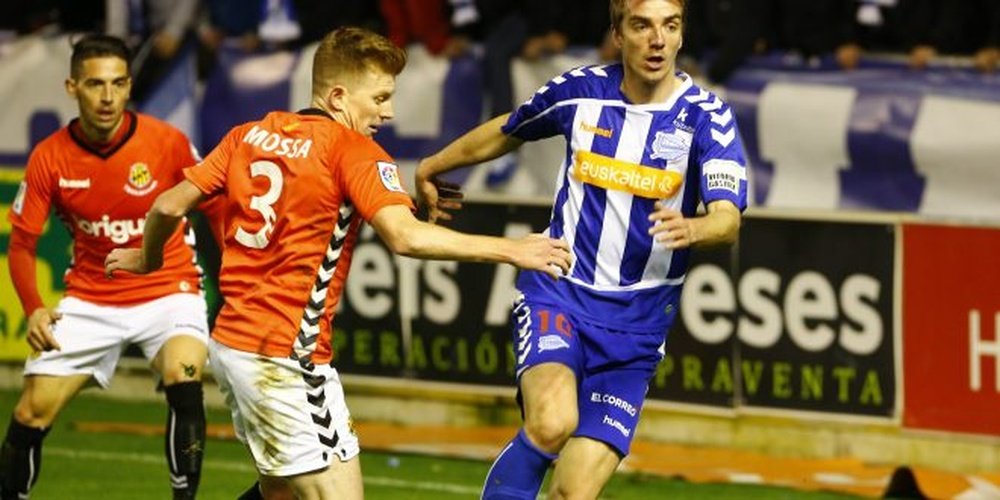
(146, 458)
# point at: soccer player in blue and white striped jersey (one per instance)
(645, 147)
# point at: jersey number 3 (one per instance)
(263, 204)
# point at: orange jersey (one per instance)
(297, 187)
(103, 199)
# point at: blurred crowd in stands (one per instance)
(720, 34)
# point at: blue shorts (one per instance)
(613, 367)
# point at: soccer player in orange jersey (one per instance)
(298, 186)
(100, 174)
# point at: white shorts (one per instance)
(291, 419)
(92, 337)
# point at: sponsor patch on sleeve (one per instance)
(389, 173)
(19, 199)
(724, 174)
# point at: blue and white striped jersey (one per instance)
(620, 159)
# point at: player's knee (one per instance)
(562, 490)
(550, 432)
(181, 371)
(35, 412)
(272, 488)
(282, 493)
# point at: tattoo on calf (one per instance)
(189, 370)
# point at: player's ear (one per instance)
(337, 98)
(70, 85)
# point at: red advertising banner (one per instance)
(951, 328)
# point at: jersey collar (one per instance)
(104, 151)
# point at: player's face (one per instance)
(650, 36)
(368, 101)
(101, 89)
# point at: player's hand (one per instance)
(125, 259)
(671, 228)
(538, 252)
(40, 336)
(438, 196)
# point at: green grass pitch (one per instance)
(108, 466)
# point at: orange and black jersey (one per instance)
(296, 187)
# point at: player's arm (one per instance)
(483, 143)
(21, 255)
(722, 186)
(161, 222)
(720, 225)
(405, 235)
(27, 218)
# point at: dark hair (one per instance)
(91, 46)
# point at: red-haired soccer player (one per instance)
(298, 186)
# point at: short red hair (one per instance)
(350, 51)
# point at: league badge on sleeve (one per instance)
(724, 174)
(22, 191)
(389, 173)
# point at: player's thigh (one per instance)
(614, 389)
(90, 336)
(548, 392)
(44, 396)
(293, 420)
(172, 332)
(583, 468)
(549, 358)
(342, 480)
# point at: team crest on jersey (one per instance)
(551, 343)
(671, 146)
(140, 180)
(389, 173)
